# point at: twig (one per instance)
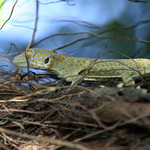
(53, 141)
(9, 15)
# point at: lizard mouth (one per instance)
(20, 60)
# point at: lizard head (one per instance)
(34, 58)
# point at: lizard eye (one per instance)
(28, 53)
(46, 60)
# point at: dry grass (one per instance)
(51, 117)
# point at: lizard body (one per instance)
(73, 68)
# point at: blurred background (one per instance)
(67, 26)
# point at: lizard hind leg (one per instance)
(127, 79)
(77, 79)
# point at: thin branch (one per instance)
(58, 2)
(52, 141)
(97, 35)
(35, 25)
(9, 15)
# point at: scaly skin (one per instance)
(73, 68)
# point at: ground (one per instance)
(51, 116)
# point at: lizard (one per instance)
(74, 68)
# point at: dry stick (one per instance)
(88, 68)
(54, 2)
(19, 70)
(66, 137)
(98, 56)
(9, 15)
(102, 37)
(95, 61)
(24, 111)
(53, 141)
(97, 132)
(102, 32)
(141, 75)
(91, 35)
(33, 34)
(35, 25)
(4, 146)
